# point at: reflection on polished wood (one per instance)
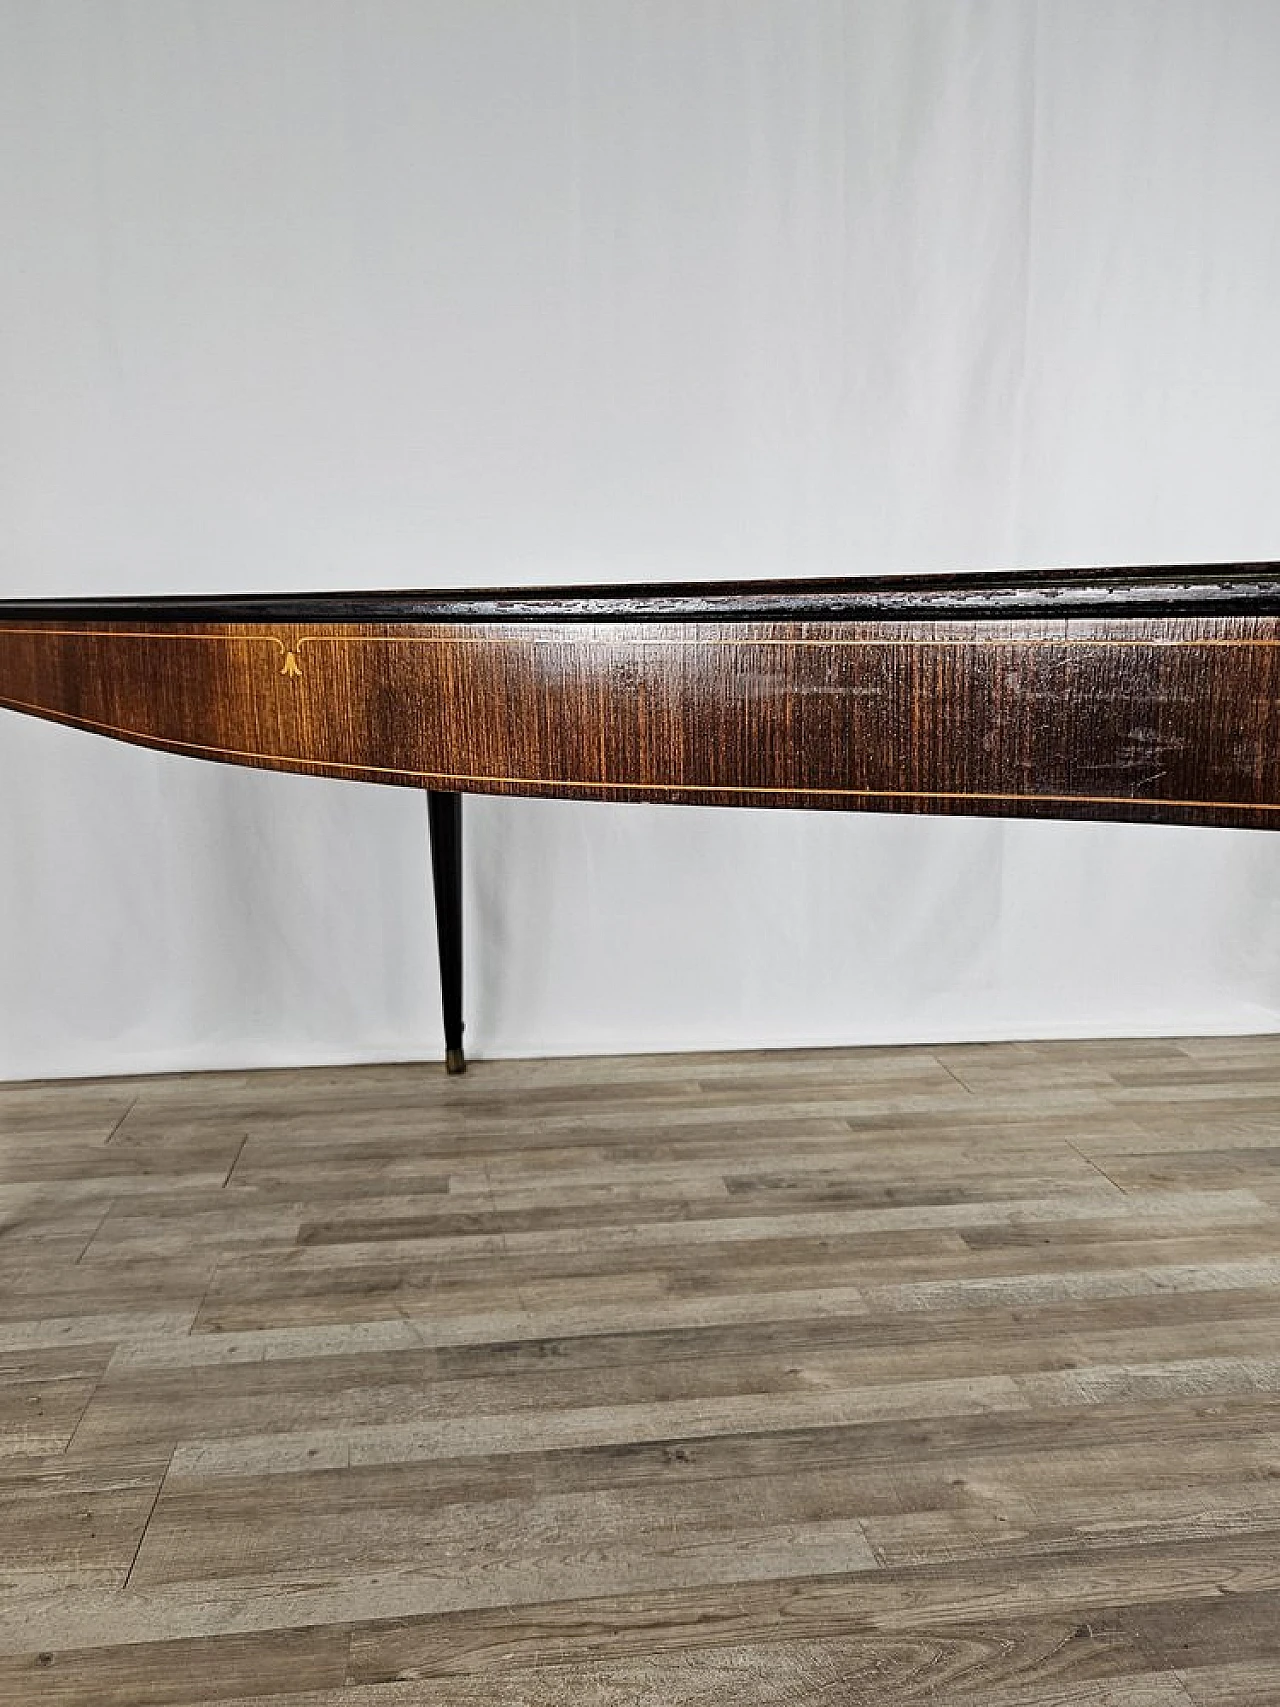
(897, 1375)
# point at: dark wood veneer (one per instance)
(1148, 697)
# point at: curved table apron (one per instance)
(1139, 695)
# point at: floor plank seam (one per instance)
(146, 1525)
(119, 1123)
(952, 1074)
(102, 1221)
(235, 1161)
(1096, 1166)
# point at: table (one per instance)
(1146, 694)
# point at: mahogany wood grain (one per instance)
(1170, 718)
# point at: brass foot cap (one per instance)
(454, 1061)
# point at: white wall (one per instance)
(330, 293)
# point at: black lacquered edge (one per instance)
(1195, 590)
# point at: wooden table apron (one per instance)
(1110, 698)
(1173, 720)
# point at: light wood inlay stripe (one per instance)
(455, 780)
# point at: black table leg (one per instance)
(444, 815)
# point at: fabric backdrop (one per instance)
(372, 293)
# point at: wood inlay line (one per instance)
(133, 634)
(459, 780)
(578, 636)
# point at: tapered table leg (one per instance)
(444, 815)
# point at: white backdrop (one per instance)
(330, 293)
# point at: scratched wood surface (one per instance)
(922, 1375)
(1171, 719)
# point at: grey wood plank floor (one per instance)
(890, 1375)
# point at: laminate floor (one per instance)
(943, 1376)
